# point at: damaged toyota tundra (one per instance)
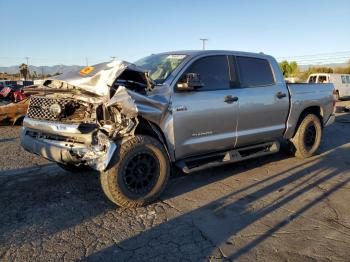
(190, 110)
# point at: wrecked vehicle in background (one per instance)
(13, 113)
(196, 109)
(13, 106)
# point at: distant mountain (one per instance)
(41, 69)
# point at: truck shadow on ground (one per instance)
(221, 220)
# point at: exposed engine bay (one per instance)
(80, 116)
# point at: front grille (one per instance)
(39, 108)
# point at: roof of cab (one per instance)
(194, 53)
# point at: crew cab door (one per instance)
(263, 102)
(205, 119)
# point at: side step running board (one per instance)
(211, 160)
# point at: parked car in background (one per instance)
(8, 83)
(16, 85)
(341, 82)
(192, 109)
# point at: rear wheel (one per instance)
(307, 139)
(139, 172)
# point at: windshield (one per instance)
(160, 66)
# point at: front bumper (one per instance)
(65, 152)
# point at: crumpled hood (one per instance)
(97, 78)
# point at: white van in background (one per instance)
(341, 82)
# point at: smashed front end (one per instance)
(79, 118)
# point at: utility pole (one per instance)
(87, 61)
(204, 40)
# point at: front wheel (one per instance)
(307, 139)
(138, 174)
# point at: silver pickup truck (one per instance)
(190, 109)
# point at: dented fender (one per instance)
(133, 104)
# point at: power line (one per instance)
(343, 53)
(320, 54)
(337, 57)
(320, 58)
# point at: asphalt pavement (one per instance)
(276, 208)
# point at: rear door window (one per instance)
(254, 72)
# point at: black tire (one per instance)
(176, 171)
(138, 172)
(307, 139)
(73, 168)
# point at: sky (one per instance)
(67, 31)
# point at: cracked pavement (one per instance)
(276, 208)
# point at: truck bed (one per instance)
(304, 95)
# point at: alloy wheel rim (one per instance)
(141, 172)
(310, 136)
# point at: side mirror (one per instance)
(189, 82)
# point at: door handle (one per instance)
(230, 99)
(280, 95)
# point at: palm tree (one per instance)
(24, 71)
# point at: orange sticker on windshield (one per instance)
(87, 70)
